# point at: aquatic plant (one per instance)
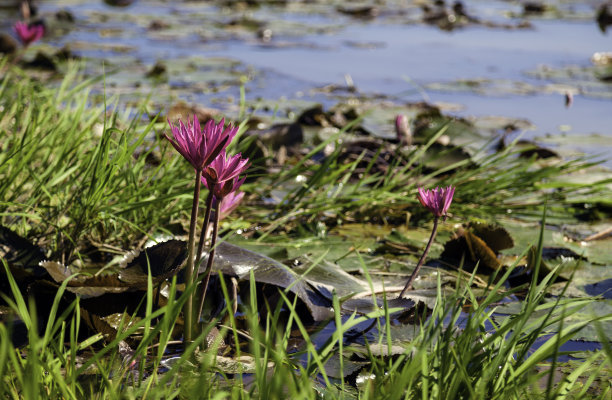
(437, 201)
(200, 148)
(221, 179)
(402, 130)
(28, 34)
(221, 173)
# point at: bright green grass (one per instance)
(74, 175)
(441, 361)
(75, 178)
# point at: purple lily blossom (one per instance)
(199, 147)
(220, 173)
(437, 200)
(229, 203)
(28, 33)
(227, 190)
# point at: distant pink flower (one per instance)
(402, 129)
(219, 174)
(199, 147)
(437, 200)
(28, 33)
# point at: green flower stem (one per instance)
(209, 206)
(408, 286)
(211, 257)
(189, 270)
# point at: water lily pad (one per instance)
(596, 251)
(90, 283)
(236, 261)
(571, 266)
(593, 81)
(245, 364)
(164, 260)
(597, 309)
(349, 366)
(367, 305)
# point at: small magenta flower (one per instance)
(437, 200)
(222, 190)
(229, 203)
(220, 173)
(199, 147)
(28, 33)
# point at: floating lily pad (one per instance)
(601, 309)
(571, 265)
(593, 81)
(245, 364)
(596, 251)
(90, 283)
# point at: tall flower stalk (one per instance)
(221, 178)
(437, 201)
(222, 209)
(200, 148)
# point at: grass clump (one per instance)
(77, 179)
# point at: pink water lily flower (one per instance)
(229, 203)
(219, 174)
(28, 33)
(437, 200)
(201, 147)
(221, 190)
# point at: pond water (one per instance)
(502, 62)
